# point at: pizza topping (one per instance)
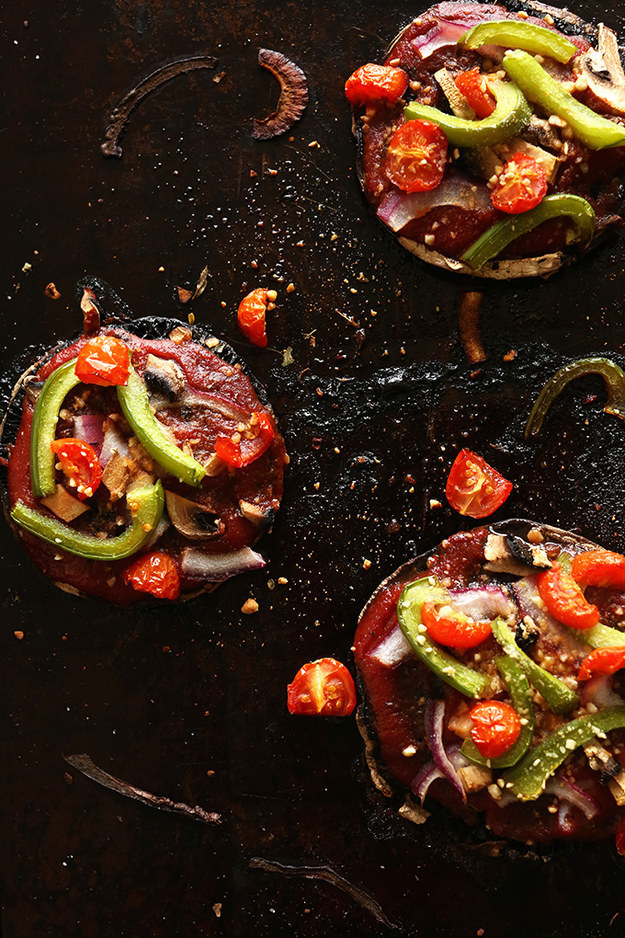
(565, 600)
(215, 568)
(474, 488)
(247, 445)
(45, 418)
(599, 568)
(521, 185)
(104, 361)
(371, 83)
(602, 661)
(251, 315)
(496, 727)
(416, 156)
(154, 573)
(293, 95)
(453, 629)
(193, 520)
(603, 72)
(80, 465)
(433, 718)
(523, 720)
(514, 34)
(322, 688)
(472, 85)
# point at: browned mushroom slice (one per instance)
(193, 520)
(603, 71)
(163, 378)
(254, 512)
(293, 95)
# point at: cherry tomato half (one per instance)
(473, 487)
(104, 361)
(520, 186)
(154, 573)
(496, 727)
(241, 449)
(453, 629)
(599, 568)
(80, 464)
(322, 688)
(565, 600)
(472, 85)
(371, 83)
(416, 156)
(251, 315)
(602, 661)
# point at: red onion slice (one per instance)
(397, 209)
(88, 427)
(598, 690)
(570, 795)
(215, 568)
(482, 603)
(392, 649)
(429, 772)
(443, 34)
(434, 714)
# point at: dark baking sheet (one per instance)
(189, 701)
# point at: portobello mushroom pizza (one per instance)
(143, 467)
(491, 142)
(492, 683)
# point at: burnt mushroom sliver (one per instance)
(163, 515)
(546, 85)
(563, 777)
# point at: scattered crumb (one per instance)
(510, 356)
(218, 77)
(434, 503)
(366, 564)
(282, 580)
(51, 292)
(290, 288)
(19, 634)
(217, 906)
(249, 607)
(184, 295)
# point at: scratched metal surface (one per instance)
(190, 701)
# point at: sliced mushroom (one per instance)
(116, 476)
(64, 505)
(475, 777)
(602, 761)
(192, 519)
(164, 379)
(541, 133)
(603, 71)
(457, 101)
(412, 811)
(510, 554)
(254, 512)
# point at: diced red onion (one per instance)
(598, 690)
(114, 441)
(392, 649)
(434, 713)
(443, 34)
(429, 772)
(88, 427)
(397, 209)
(158, 531)
(215, 568)
(482, 603)
(570, 795)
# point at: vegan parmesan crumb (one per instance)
(249, 607)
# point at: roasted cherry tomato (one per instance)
(599, 568)
(371, 83)
(496, 727)
(251, 315)
(322, 688)
(80, 464)
(416, 156)
(565, 600)
(104, 361)
(154, 573)
(243, 447)
(602, 661)
(520, 186)
(474, 488)
(453, 629)
(472, 85)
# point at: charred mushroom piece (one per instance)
(603, 71)
(255, 513)
(541, 133)
(457, 101)
(293, 95)
(512, 554)
(527, 633)
(193, 520)
(532, 554)
(164, 379)
(602, 761)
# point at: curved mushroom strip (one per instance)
(192, 519)
(293, 95)
(603, 71)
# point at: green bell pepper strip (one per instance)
(523, 702)
(601, 636)
(146, 506)
(560, 698)
(495, 239)
(613, 376)
(135, 404)
(45, 417)
(469, 682)
(519, 35)
(537, 85)
(510, 116)
(527, 780)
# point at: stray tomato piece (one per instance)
(599, 568)
(154, 573)
(251, 315)
(602, 661)
(472, 85)
(371, 83)
(241, 449)
(417, 156)
(453, 629)
(80, 464)
(474, 488)
(322, 688)
(565, 600)
(520, 186)
(496, 727)
(104, 361)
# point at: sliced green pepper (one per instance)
(469, 682)
(601, 636)
(45, 417)
(519, 35)
(523, 702)
(527, 780)
(560, 698)
(613, 376)
(135, 404)
(510, 116)
(495, 239)
(537, 85)
(146, 504)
